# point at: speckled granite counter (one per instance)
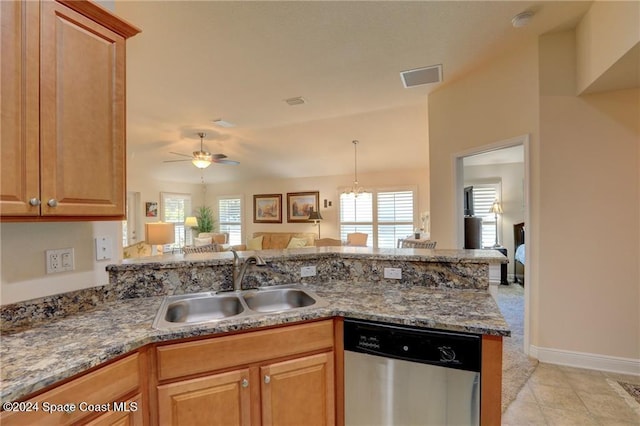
(35, 357)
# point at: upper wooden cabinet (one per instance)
(63, 111)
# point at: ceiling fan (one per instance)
(203, 159)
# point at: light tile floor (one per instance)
(558, 395)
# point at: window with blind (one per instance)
(175, 208)
(484, 194)
(356, 215)
(230, 217)
(384, 215)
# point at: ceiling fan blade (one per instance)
(184, 155)
(219, 156)
(230, 162)
(174, 161)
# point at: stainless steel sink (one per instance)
(278, 300)
(206, 308)
(199, 308)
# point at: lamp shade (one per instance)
(496, 207)
(314, 215)
(191, 222)
(160, 233)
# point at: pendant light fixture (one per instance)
(355, 189)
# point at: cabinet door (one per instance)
(220, 399)
(82, 122)
(299, 391)
(127, 413)
(19, 94)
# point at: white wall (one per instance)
(589, 212)
(329, 187)
(584, 213)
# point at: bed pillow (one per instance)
(255, 243)
(297, 242)
(199, 242)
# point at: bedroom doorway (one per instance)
(498, 172)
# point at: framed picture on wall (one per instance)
(300, 204)
(151, 209)
(267, 208)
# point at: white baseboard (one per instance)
(586, 360)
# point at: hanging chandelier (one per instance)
(355, 189)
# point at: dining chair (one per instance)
(357, 239)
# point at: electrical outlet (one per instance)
(308, 271)
(59, 260)
(393, 273)
(103, 248)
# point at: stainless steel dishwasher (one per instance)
(399, 376)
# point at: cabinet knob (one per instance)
(267, 379)
(34, 201)
(52, 202)
(245, 383)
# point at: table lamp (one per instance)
(496, 209)
(159, 234)
(316, 217)
(189, 222)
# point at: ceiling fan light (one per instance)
(201, 163)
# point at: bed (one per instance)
(519, 257)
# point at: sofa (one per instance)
(278, 240)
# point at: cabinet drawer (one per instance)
(102, 386)
(183, 359)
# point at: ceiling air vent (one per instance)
(420, 76)
(298, 100)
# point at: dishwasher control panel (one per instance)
(448, 349)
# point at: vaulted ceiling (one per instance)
(196, 61)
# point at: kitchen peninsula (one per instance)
(438, 289)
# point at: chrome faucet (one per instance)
(239, 268)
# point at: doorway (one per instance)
(487, 167)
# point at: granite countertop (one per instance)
(55, 350)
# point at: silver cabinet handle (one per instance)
(52, 202)
(34, 201)
(245, 383)
(267, 379)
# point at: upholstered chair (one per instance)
(327, 242)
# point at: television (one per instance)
(468, 201)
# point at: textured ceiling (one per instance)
(196, 61)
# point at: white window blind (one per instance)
(384, 215)
(175, 209)
(356, 215)
(395, 217)
(483, 197)
(230, 218)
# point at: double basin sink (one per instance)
(199, 308)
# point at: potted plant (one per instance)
(206, 223)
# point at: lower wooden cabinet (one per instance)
(280, 376)
(103, 391)
(299, 391)
(218, 399)
(130, 413)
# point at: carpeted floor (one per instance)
(516, 366)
